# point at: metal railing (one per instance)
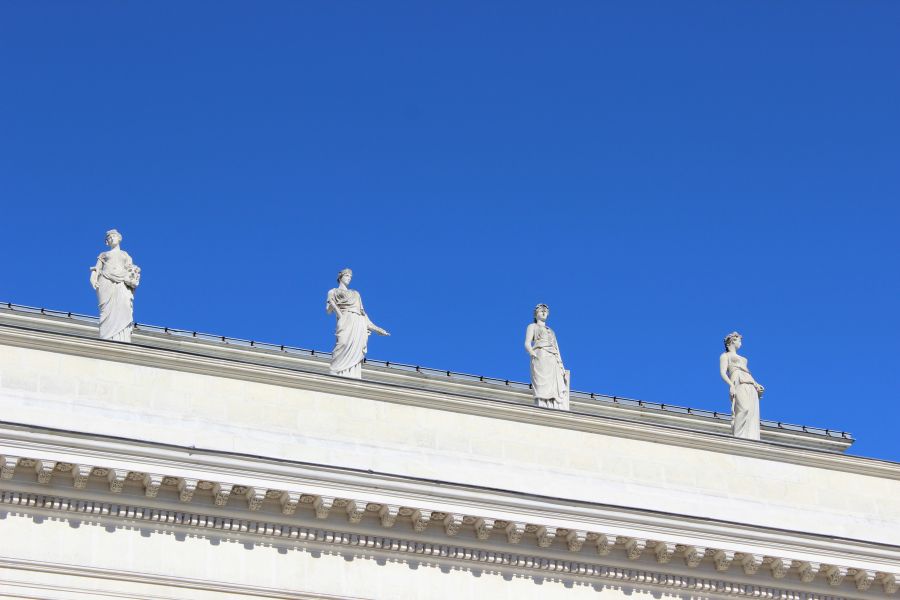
(619, 401)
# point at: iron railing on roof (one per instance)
(619, 401)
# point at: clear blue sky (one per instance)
(659, 173)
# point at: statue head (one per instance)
(541, 308)
(348, 273)
(733, 338)
(113, 237)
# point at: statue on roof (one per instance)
(549, 378)
(115, 278)
(353, 328)
(744, 390)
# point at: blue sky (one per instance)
(659, 173)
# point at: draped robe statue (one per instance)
(549, 378)
(353, 327)
(114, 278)
(745, 392)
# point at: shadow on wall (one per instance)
(446, 566)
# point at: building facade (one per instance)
(191, 466)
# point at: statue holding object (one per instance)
(115, 278)
(744, 390)
(550, 380)
(353, 328)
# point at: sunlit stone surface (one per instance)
(188, 466)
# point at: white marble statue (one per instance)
(745, 392)
(549, 378)
(114, 278)
(353, 328)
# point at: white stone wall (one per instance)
(79, 561)
(167, 405)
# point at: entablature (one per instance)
(194, 488)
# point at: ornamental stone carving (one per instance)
(388, 514)
(44, 470)
(355, 511)
(575, 540)
(420, 519)
(834, 575)
(663, 552)
(152, 484)
(779, 568)
(221, 493)
(722, 559)
(545, 536)
(115, 277)
(322, 506)
(353, 328)
(80, 475)
(116, 478)
(751, 563)
(602, 543)
(693, 556)
(186, 489)
(634, 548)
(483, 528)
(807, 570)
(289, 502)
(514, 532)
(255, 497)
(8, 466)
(452, 523)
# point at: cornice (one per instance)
(459, 553)
(456, 402)
(37, 464)
(184, 583)
(417, 377)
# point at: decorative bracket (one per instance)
(545, 536)
(483, 528)
(388, 514)
(663, 552)
(575, 540)
(863, 579)
(420, 519)
(116, 478)
(602, 544)
(221, 493)
(186, 489)
(723, 559)
(355, 511)
(452, 523)
(807, 570)
(693, 556)
(750, 563)
(8, 466)
(289, 502)
(44, 470)
(634, 547)
(255, 497)
(323, 505)
(80, 475)
(152, 484)
(778, 567)
(514, 532)
(834, 574)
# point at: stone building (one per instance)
(191, 466)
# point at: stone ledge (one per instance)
(464, 554)
(112, 471)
